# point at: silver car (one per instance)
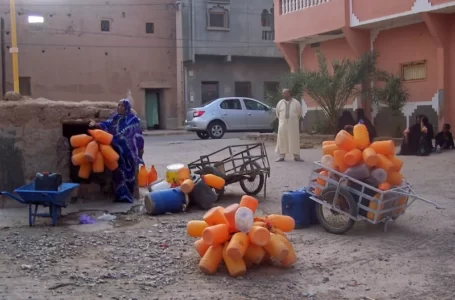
(229, 114)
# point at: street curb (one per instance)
(164, 133)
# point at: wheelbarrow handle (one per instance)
(8, 194)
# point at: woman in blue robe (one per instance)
(128, 142)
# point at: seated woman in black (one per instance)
(426, 137)
(444, 139)
(346, 119)
(411, 139)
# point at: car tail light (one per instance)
(198, 113)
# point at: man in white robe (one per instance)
(288, 112)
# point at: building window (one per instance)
(35, 19)
(149, 28)
(266, 18)
(36, 23)
(414, 71)
(231, 104)
(243, 89)
(25, 86)
(209, 91)
(267, 23)
(268, 35)
(270, 88)
(217, 18)
(105, 25)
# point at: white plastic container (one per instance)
(327, 161)
(159, 185)
(244, 219)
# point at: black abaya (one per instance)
(410, 143)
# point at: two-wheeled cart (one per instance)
(55, 200)
(247, 164)
(343, 200)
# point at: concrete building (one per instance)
(414, 38)
(98, 50)
(228, 50)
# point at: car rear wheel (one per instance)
(216, 130)
(203, 135)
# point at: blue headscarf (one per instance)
(126, 129)
(127, 118)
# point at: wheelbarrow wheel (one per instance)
(214, 171)
(331, 220)
(254, 184)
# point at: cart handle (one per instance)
(418, 198)
(8, 194)
(18, 199)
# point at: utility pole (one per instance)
(2, 53)
(13, 49)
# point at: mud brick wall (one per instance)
(31, 137)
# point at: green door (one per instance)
(152, 108)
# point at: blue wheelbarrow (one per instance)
(55, 200)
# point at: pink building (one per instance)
(414, 38)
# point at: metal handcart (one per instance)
(343, 200)
(247, 164)
(55, 200)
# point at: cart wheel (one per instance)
(214, 171)
(253, 185)
(331, 220)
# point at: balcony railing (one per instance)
(289, 6)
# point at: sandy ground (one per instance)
(142, 257)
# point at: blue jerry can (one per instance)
(298, 205)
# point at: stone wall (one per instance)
(31, 137)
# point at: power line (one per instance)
(165, 5)
(130, 46)
(90, 4)
(152, 37)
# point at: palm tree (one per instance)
(391, 94)
(368, 73)
(332, 90)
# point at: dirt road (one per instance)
(144, 257)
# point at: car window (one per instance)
(210, 102)
(231, 104)
(254, 105)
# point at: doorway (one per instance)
(152, 109)
(209, 91)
